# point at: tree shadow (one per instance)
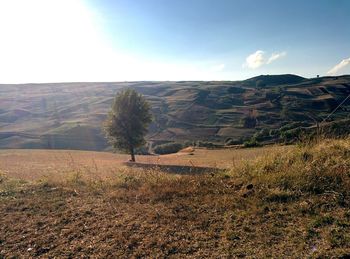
(175, 169)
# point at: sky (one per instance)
(132, 40)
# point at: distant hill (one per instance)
(273, 80)
(69, 115)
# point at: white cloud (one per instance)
(276, 56)
(258, 59)
(334, 70)
(255, 60)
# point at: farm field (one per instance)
(290, 202)
(37, 164)
(70, 115)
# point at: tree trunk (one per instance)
(132, 153)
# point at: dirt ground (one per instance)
(189, 218)
(151, 214)
(36, 164)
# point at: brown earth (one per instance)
(190, 218)
(36, 164)
(290, 204)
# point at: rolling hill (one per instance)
(69, 115)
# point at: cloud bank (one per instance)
(334, 70)
(258, 59)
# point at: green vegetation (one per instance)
(127, 122)
(253, 142)
(49, 115)
(168, 148)
(208, 144)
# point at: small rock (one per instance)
(250, 186)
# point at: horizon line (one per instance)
(135, 81)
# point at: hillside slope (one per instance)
(69, 115)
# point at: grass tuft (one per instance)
(313, 169)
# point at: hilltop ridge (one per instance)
(69, 115)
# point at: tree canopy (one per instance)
(128, 120)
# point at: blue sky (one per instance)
(124, 40)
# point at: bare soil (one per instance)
(37, 164)
(257, 211)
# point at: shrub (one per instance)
(293, 125)
(273, 132)
(251, 143)
(168, 148)
(142, 150)
(208, 144)
(231, 141)
(292, 134)
(188, 143)
(262, 134)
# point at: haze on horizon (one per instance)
(87, 40)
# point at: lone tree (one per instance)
(127, 122)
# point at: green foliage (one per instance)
(251, 143)
(143, 150)
(188, 143)
(168, 148)
(207, 144)
(292, 134)
(336, 128)
(293, 125)
(128, 120)
(262, 134)
(231, 141)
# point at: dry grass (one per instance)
(315, 168)
(37, 164)
(293, 204)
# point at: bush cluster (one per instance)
(168, 148)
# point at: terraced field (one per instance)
(69, 115)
